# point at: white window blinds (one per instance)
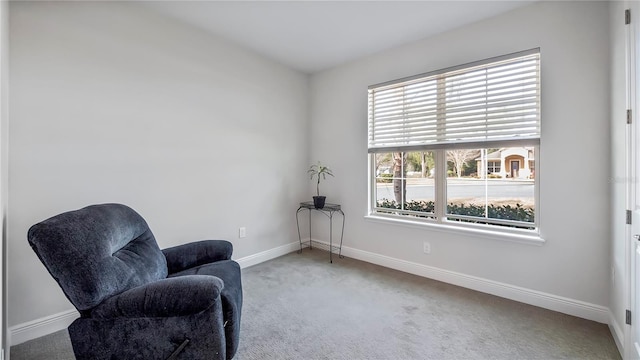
(484, 103)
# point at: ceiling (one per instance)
(312, 36)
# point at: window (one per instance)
(459, 145)
(493, 167)
(409, 185)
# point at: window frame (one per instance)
(439, 218)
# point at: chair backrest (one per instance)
(97, 252)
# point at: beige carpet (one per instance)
(301, 307)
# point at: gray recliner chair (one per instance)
(135, 300)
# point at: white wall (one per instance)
(574, 156)
(111, 103)
(618, 300)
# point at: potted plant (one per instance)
(318, 170)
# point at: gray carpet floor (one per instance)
(300, 306)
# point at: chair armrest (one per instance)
(177, 296)
(197, 253)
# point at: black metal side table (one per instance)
(328, 210)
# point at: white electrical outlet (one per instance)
(242, 232)
(426, 247)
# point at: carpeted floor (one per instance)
(300, 306)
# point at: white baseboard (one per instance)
(41, 327)
(268, 255)
(617, 333)
(532, 297)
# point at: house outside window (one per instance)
(517, 163)
(458, 146)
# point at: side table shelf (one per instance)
(328, 210)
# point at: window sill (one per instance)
(529, 239)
